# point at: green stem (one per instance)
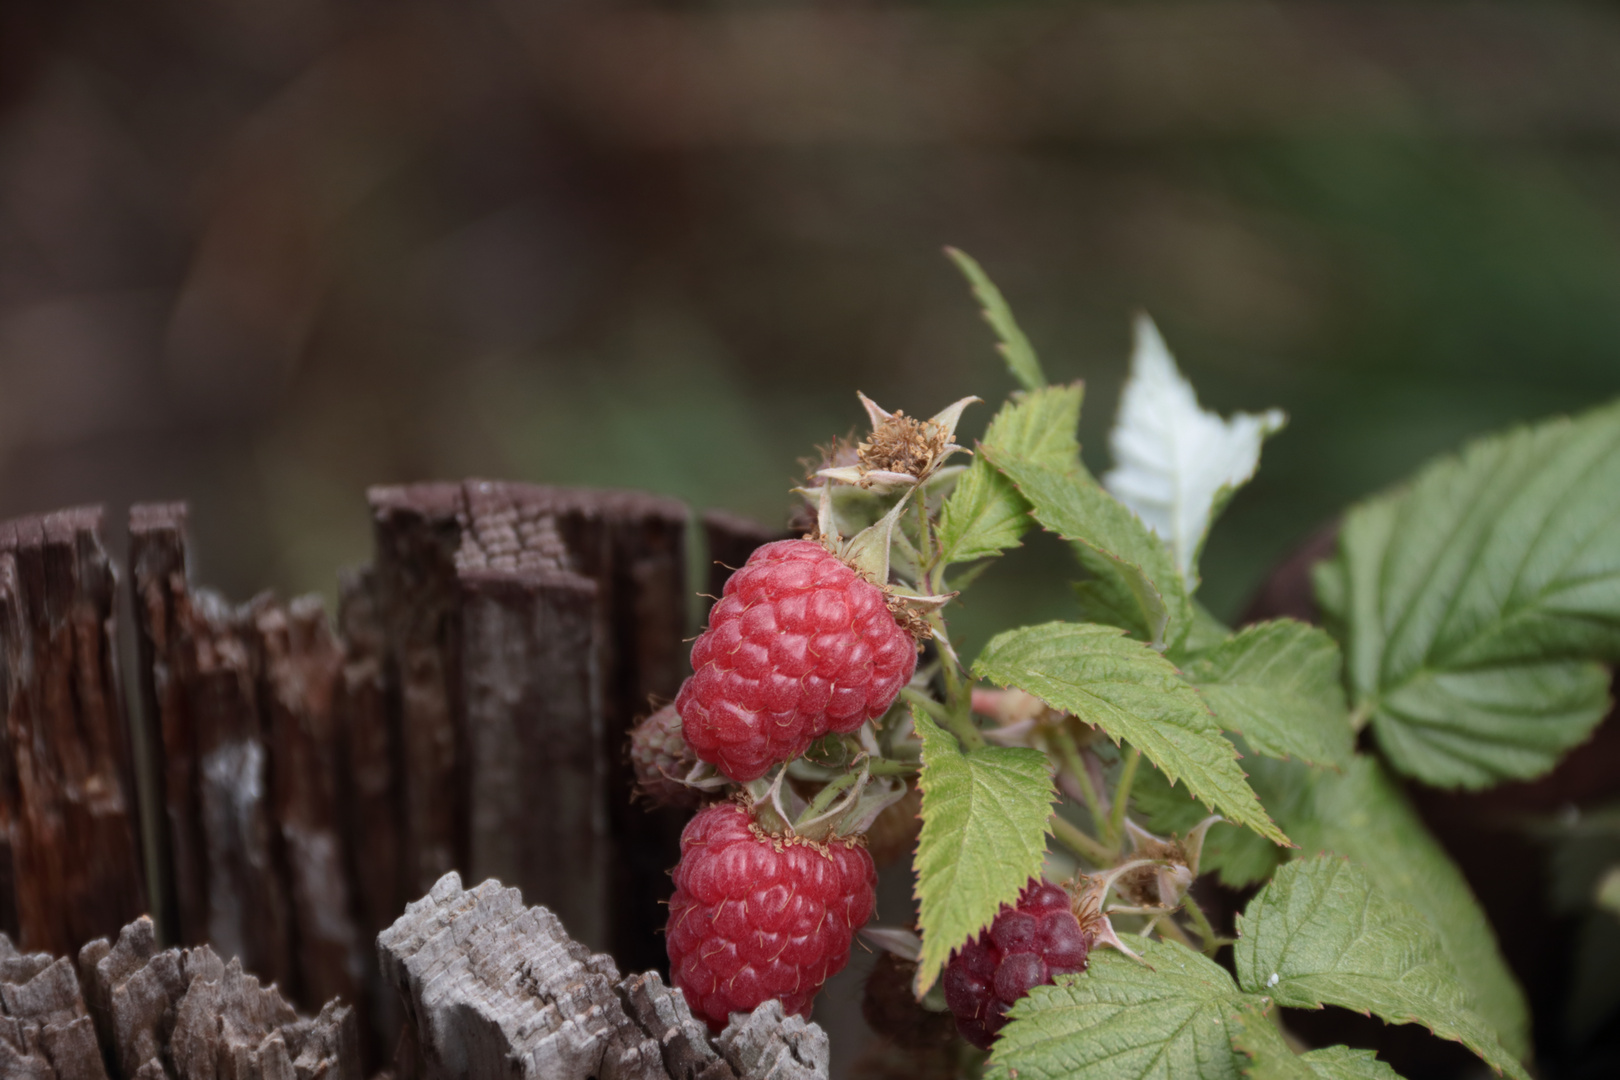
(958, 701)
(826, 795)
(1076, 840)
(1168, 928)
(890, 767)
(927, 704)
(1070, 753)
(1122, 795)
(1212, 942)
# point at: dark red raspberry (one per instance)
(1024, 947)
(660, 757)
(799, 645)
(756, 916)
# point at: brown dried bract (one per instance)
(902, 444)
(910, 619)
(1141, 886)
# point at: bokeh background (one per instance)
(261, 255)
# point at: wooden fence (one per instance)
(305, 778)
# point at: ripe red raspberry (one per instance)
(799, 645)
(660, 757)
(1024, 947)
(756, 916)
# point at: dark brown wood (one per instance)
(302, 663)
(417, 531)
(157, 561)
(203, 683)
(67, 790)
(370, 800)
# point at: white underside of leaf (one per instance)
(1174, 462)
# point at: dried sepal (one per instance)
(901, 451)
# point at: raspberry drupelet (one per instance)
(757, 916)
(798, 646)
(1025, 947)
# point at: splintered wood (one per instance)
(496, 989)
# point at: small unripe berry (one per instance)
(660, 757)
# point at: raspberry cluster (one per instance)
(757, 916)
(798, 646)
(1025, 947)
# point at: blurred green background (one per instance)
(260, 256)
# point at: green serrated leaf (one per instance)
(1013, 345)
(985, 515)
(1133, 693)
(1277, 684)
(1475, 601)
(1122, 1019)
(1343, 1063)
(1321, 934)
(985, 817)
(1270, 1058)
(1362, 813)
(1135, 573)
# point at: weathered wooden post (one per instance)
(70, 855)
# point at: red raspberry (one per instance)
(1024, 947)
(756, 916)
(660, 757)
(799, 645)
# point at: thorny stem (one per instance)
(1077, 769)
(1076, 840)
(1122, 794)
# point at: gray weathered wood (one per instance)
(45, 1030)
(70, 859)
(517, 684)
(184, 1014)
(496, 989)
(532, 715)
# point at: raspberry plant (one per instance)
(1076, 777)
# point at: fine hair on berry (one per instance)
(1025, 947)
(757, 916)
(798, 646)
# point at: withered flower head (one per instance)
(902, 451)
